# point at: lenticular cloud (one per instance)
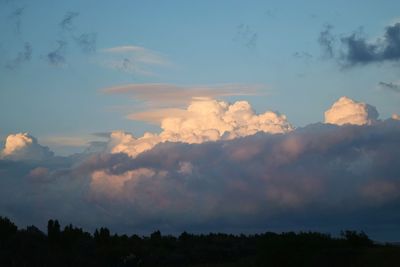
(204, 120)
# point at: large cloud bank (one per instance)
(323, 177)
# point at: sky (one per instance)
(257, 114)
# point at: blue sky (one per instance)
(204, 42)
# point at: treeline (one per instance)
(72, 246)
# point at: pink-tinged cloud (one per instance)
(171, 95)
(348, 111)
(203, 121)
(22, 146)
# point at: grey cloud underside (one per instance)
(322, 177)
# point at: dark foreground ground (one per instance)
(72, 246)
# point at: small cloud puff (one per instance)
(22, 146)
(348, 111)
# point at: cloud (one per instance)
(170, 95)
(202, 121)
(359, 51)
(22, 146)
(57, 56)
(348, 111)
(303, 55)
(23, 56)
(246, 36)
(390, 86)
(66, 23)
(16, 18)
(322, 177)
(396, 116)
(318, 175)
(327, 40)
(87, 42)
(133, 59)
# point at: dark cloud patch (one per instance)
(359, 51)
(87, 42)
(303, 56)
(15, 17)
(390, 86)
(246, 36)
(66, 23)
(22, 57)
(327, 41)
(326, 175)
(57, 56)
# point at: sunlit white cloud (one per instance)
(348, 111)
(22, 146)
(202, 121)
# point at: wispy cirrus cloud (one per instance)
(15, 17)
(23, 56)
(133, 59)
(392, 86)
(56, 57)
(246, 36)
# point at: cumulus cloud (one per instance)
(22, 146)
(203, 120)
(348, 111)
